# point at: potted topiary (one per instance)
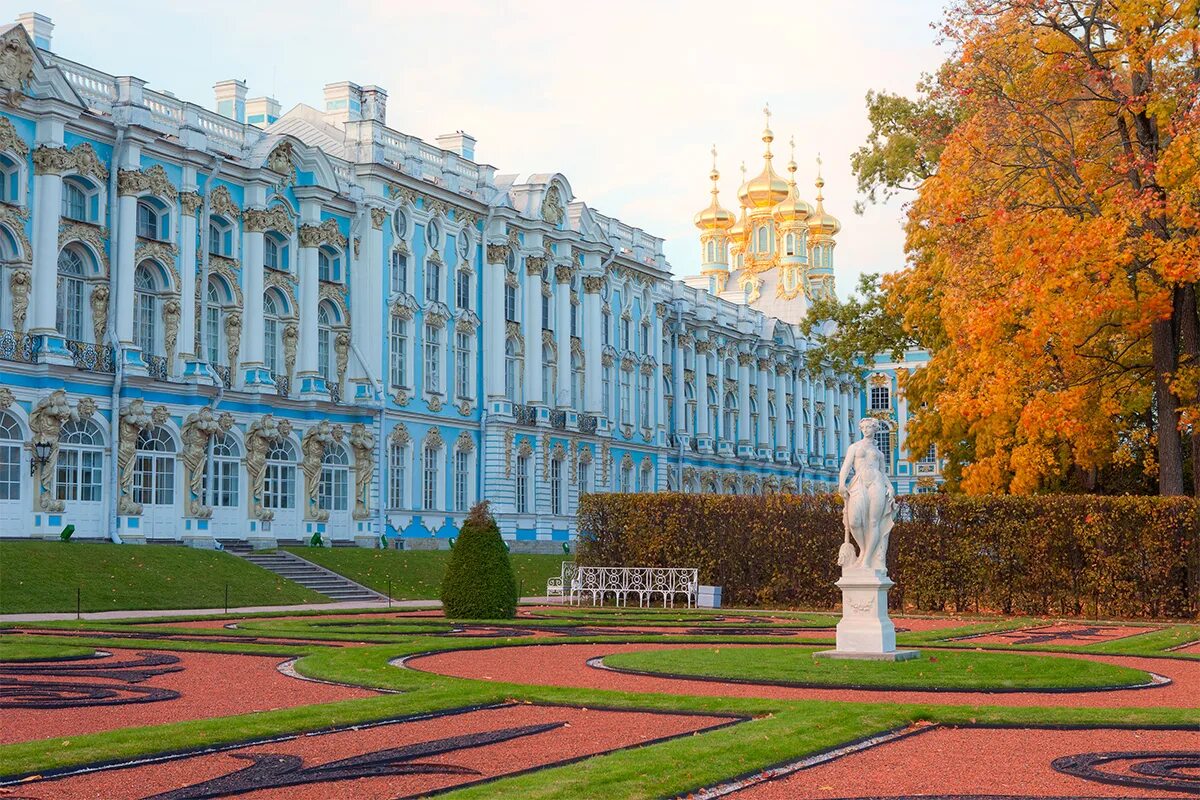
(479, 582)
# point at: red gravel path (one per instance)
(566, 665)
(210, 685)
(972, 761)
(587, 732)
(1071, 634)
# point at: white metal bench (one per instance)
(597, 583)
(555, 587)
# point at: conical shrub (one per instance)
(479, 582)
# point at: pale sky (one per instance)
(624, 97)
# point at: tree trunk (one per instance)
(1170, 446)
(1189, 341)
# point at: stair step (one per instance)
(309, 575)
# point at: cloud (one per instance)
(624, 98)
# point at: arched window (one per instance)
(463, 366)
(70, 293)
(521, 487)
(547, 306)
(464, 247)
(626, 478)
(712, 413)
(606, 390)
(154, 468)
(462, 480)
(789, 244)
(431, 472)
(514, 371)
(398, 352)
(329, 264)
(151, 221)
(881, 398)
(433, 359)
(549, 375)
(220, 237)
(626, 397)
(510, 288)
(10, 457)
(273, 306)
(433, 281)
(577, 376)
(772, 419)
(279, 482)
(399, 271)
(215, 300)
(80, 200)
(400, 224)
(731, 414)
(79, 472)
(10, 181)
(326, 317)
(646, 479)
(883, 440)
(644, 400)
(148, 285)
(556, 486)
(753, 419)
(275, 252)
(791, 429)
(462, 292)
(763, 236)
(689, 411)
(222, 492)
(433, 235)
(819, 436)
(807, 432)
(669, 402)
(585, 477)
(398, 476)
(606, 327)
(333, 489)
(712, 251)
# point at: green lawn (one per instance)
(935, 669)
(43, 576)
(417, 574)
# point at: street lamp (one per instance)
(41, 456)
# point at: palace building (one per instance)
(242, 324)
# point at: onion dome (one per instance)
(766, 189)
(821, 222)
(792, 209)
(714, 218)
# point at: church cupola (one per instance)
(766, 189)
(822, 227)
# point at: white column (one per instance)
(493, 320)
(592, 338)
(830, 432)
(310, 288)
(189, 204)
(718, 432)
(367, 315)
(534, 268)
(658, 349)
(47, 206)
(677, 377)
(745, 360)
(781, 442)
(254, 374)
(125, 244)
(702, 390)
(763, 434)
(844, 433)
(806, 384)
(562, 331)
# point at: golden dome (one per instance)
(714, 218)
(821, 222)
(792, 209)
(766, 189)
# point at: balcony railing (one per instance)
(156, 367)
(92, 357)
(558, 420)
(524, 414)
(283, 384)
(17, 347)
(335, 393)
(225, 374)
(587, 423)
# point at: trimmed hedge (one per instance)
(1069, 555)
(479, 582)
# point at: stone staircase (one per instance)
(306, 573)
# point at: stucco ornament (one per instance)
(7, 398)
(325, 233)
(19, 284)
(263, 219)
(16, 66)
(10, 140)
(45, 425)
(171, 313)
(362, 442)
(552, 207)
(870, 506)
(135, 418)
(262, 434)
(312, 447)
(98, 300)
(290, 336)
(153, 179)
(341, 352)
(197, 429)
(280, 160)
(233, 338)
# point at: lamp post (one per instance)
(40, 457)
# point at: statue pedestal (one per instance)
(866, 632)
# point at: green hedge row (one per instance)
(1070, 555)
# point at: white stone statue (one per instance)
(870, 508)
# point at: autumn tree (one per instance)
(1055, 246)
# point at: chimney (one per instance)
(343, 102)
(231, 99)
(262, 111)
(458, 142)
(374, 104)
(38, 26)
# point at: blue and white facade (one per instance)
(251, 325)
